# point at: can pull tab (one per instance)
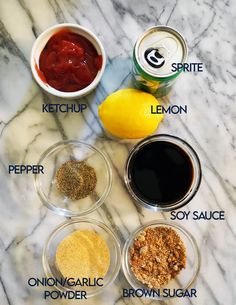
(160, 52)
(154, 58)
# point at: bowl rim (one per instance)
(99, 47)
(77, 220)
(174, 225)
(197, 170)
(63, 211)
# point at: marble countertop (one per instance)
(209, 127)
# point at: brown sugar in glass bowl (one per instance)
(157, 255)
(179, 273)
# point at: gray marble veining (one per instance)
(25, 132)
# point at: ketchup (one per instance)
(69, 62)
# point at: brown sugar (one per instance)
(157, 256)
(83, 254)
(75, 179)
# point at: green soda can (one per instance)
(154, 53)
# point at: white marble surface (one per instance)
(209, 28)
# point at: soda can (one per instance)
(154, 53)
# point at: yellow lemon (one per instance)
(126, 114)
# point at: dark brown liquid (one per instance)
(160, 173)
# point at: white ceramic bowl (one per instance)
(39, 45)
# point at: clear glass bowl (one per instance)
(53, 158)
(68, 227)
(185, 279)
(197, 173)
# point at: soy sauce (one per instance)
(160, 173)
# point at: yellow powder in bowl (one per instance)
(83, 254)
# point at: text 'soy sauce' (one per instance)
(69, 62)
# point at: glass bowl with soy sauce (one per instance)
(77, 178)
(163, 172)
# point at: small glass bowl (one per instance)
(53, 158)
(186, 278)
(197, 173)
(68, 227)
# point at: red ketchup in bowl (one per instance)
(69, 62)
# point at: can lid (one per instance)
(158, 48)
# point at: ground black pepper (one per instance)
(75, 179)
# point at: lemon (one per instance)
(126, 114)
